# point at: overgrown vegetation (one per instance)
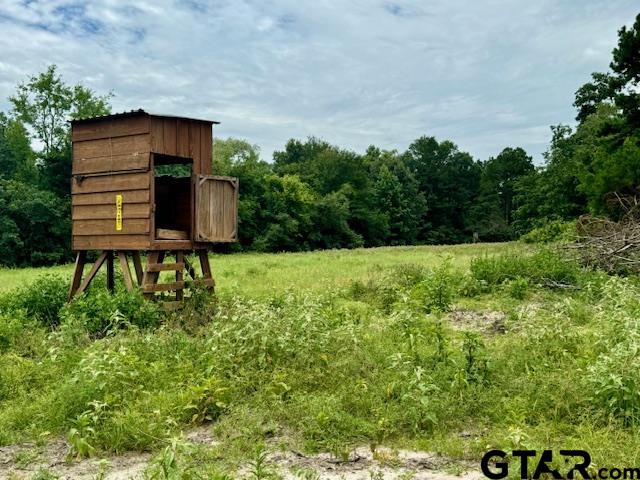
(385, 360)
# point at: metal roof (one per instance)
(134, 113)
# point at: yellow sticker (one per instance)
(118, 212)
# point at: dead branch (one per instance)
(611, 245)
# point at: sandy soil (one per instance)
(23, 461)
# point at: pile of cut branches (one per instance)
(611, 245)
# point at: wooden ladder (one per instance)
(155, 266)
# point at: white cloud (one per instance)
(484, 74)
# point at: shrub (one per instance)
(19, 334)
(435, 293)
(408, 275)
(385, 289)
(101, 311)
(613, 380)
(544, 267)
(41, 299)
(551, 231)
(377, 291)
(518, 288)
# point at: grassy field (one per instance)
(452, 350)
(264, 273)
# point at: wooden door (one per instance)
(216, 208)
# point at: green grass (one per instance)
(266, 273)
(449, 349)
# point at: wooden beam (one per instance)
(162, 287)
(165, 267)
(203, 255)
(180, 274)
(190, 270)
(92, 273)
(150, 279)
(81, 259)
(111, 283)
(206, 268)
(137, 265)
(167, 234)
(126, 271)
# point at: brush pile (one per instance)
(611, 245)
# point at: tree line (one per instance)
(315, 195)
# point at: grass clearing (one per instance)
(263, 274)
(449, 350)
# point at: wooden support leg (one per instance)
(111, 284)
(81, 259)
(189, 268)
(137, 265)
(208, 280)
(126, 271)
(179, 275)
(92, 273)
(150, 279)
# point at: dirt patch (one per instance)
(23, 461)
(489, 322)
(364, 464)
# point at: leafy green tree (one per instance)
(330, 227)
(609, 168)
(231, 152)
(498, 181)
(16, 156)
(397, 196)
(35, 225)
(597, 163)
(449, 180)
(552, 191)
(589, 96)
(626, 68)
(45, 104)
(608, 138)
(621, 87)
(327, 169)
(287, 216)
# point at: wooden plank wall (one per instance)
(183, 138)
(111, 145)
(93, 204)
(110, 128)
(111, 157)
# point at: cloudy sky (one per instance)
(485, 74)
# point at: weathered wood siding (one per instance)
(183, 138)
(93, 204)
(110, 128)
(216, 209)
(110, 158)
(130, 152)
